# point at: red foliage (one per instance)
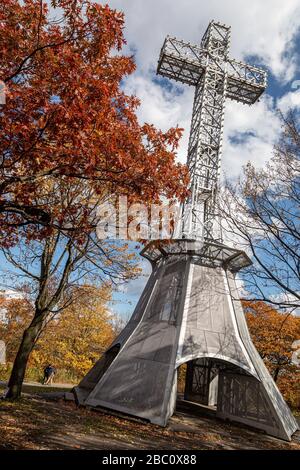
(66, 116)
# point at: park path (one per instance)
(38, 384)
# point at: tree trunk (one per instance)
(30, 335)
(275, 377)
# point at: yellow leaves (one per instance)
(98, 132)
(108, 262)
(273, 334)
(80, 335)
(17, 316)
(72, 341)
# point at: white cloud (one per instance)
(164, 108)
(259, 28)
(286, 298)
(249, 134)
(11, 294)
(288, 101)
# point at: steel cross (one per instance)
(216, 77)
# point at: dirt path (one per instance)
(39, 385)
(38, 422)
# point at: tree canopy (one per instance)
(66, 116)
(273, 334)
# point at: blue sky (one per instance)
(265, 34)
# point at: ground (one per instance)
(42, 419)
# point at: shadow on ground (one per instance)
(46, 421)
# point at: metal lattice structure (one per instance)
(190, 312)
(216, 77)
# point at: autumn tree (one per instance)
(262, 212)
(52, 269)
(72, 341)
(66, 116)
(75, 340)
(273, 334)
(69, 139)
(16, 313)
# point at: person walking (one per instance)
(49, 373)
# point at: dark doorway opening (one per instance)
(216, 388)
(201, 384)
(197, 387)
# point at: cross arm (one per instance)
(181, 61)
(245, 82)
(186, 63)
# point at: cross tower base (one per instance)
(189, 313)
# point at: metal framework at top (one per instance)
(216, 77)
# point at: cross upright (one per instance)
(216, 77)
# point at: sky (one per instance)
(263, 33)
